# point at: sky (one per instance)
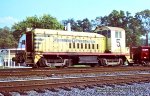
(13, 11)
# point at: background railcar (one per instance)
(140, 55)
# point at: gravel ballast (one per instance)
(134, 89)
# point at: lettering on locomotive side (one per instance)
(66, 40)
(39, 39)
(73, 40)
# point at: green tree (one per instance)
(6, 38)
(122, 19)
(144, 17)
(49, 22)
(73, 23)
(86, 25)
(133, 32)
(79, 25)
(45, 21)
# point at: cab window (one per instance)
(106, 33)
(118, 34)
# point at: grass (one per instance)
(3, 67)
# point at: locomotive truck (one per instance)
(45, 47)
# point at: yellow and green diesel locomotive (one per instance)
(59, 48)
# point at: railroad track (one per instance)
(66, 83)
(47, 72)
(52, 78)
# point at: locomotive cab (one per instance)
(115, 38)
(115, 45)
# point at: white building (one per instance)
(6, 55)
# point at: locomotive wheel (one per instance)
(103, 62)
(69, 63)
(121, 61)
(92, 65)
(145, 63)
(42, 62)
(148, 63)
(130, 64)
(33, 66)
